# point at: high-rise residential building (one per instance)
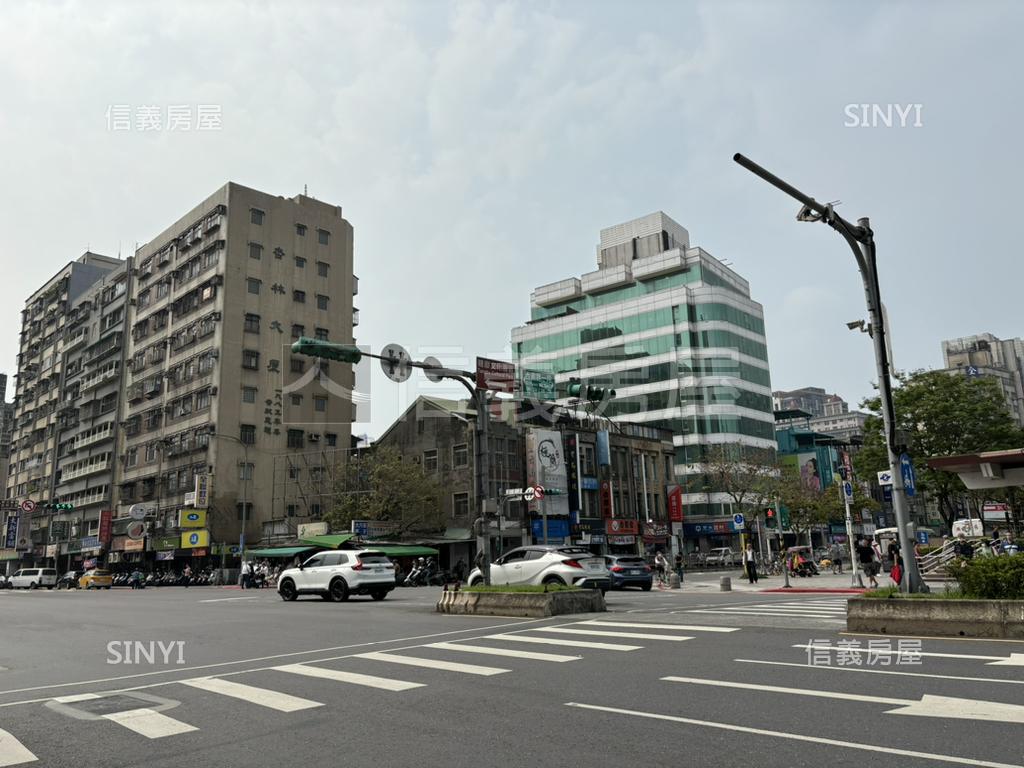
(819, 411)
(51, 332)
(6, 433)
(813, 400)
(213, 391)
(676, 333)
(999, 359)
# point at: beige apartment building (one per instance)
(212, 389)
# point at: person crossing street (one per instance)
(750, 563)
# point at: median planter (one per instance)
(529, 604)
(1003, 619)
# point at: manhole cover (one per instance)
(108, 704)
(93, 707)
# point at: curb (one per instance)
(823, 590)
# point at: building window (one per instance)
(296, 400)
(248, 394)
(299, 296)
(322, 267)
(298, 330)
(255, 251)
(202, 399)
(300, 262)
(295, 438)
(430, 461)
(300, 230)
(322, 334)
(460, 455)
(252, 323)
(253, 285)
(321, 301)
(297, 365)
(247, 513)
(256, 216)
(314, 510)
(460, 505)
(291, 510)
(323, 236)
(250, 359)
(332, 439)
(150, 453)
(131, 457)
(319, 403)
(247, 434)
(245, 471)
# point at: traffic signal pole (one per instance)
(861, 240)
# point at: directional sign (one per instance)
(926, 706)
(539, 384)
(738, 520)
(885, 478)
(495, 375)
(973, 372)
(848, 491)
(909, 478)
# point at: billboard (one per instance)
(192, 518)
(546, 466)
(190, 539)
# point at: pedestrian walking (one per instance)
(460, 570)
(836, 556)
(187, 573)
(750, 561)
(660, 566)
(679, 566)
(866, 558)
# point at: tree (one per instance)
(806, 506)
(744, 474)
(939, 414)
(378, 485)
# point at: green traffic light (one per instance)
(346, 353)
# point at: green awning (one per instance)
(403, 551)
(277, 551)
(330, 541)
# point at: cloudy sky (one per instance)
(479, 147)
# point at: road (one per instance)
(692, 677)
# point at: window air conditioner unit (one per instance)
(213, 391)
(314, 438)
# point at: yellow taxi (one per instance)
(96, 579)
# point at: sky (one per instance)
(478, 148)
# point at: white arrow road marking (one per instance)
(928, 706)
(13, 752)
(282, 702)
(149, 723)
(635, 625)
(878, 671)
(1013, 660)
(799, 737)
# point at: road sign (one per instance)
(139, 511)
(395, 363)
(885, 478)
(848, 491)
(28, 506)
(738, 520)
(539, 384)
(909, 478)
(538, 492)
(495, 375)
(973, 372)
(528, 494)
(922, 537)
(431, 371)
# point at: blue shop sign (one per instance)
(590, 484)
(558, 528)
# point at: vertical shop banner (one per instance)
(605, 499)
(545, 459)
(11, 540)
(571, 454)
(106, 526)
(675, 504)
(604, 450)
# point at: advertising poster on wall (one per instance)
(546, 466)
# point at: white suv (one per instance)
(336, 574)
(570, 566)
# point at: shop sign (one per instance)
(202, 492)
(622, 539)
(716, 528)
(193, 539)
(616, 526)
(308, 530)
(558, 528)
(51, 550)
(192, 518)
(656, 530)
(199, 553)
(134, 545)
(590, 484)
(165, 542)
(91, 542)
(675, 505)
(90, 563)
(106, 525)
(165, 555)
(117, 543)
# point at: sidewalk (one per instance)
(708, 581)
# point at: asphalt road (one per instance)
(262, 682)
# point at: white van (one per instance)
(32, 578)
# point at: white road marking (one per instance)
(878, 671)
(773, 613)
(799, 737)
(1013, 660)
(13, 752)
(418, 661)
(282, 702)
(636, 625)
(384, 683)
(226, 599)
(503, 652)
(149, 723)
(76, 697)
(631, 635)
(564, 642)
(927, 706)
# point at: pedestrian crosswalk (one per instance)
(818, 608)
(152, 721)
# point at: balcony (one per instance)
(103, 347)
(98, 378)
(76, 340)
(105, 432)
(97, 496)
(355, 317)
(83, 470)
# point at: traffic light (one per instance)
(587, 392)
(769, 518)
(55, 506)
(346, 353)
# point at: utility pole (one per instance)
(861, 240)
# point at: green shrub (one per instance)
(991, 578)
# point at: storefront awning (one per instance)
(329, 541)
(394, 550)
(278, 551)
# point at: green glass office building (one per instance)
(675, 333)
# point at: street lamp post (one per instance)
(861, 240)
